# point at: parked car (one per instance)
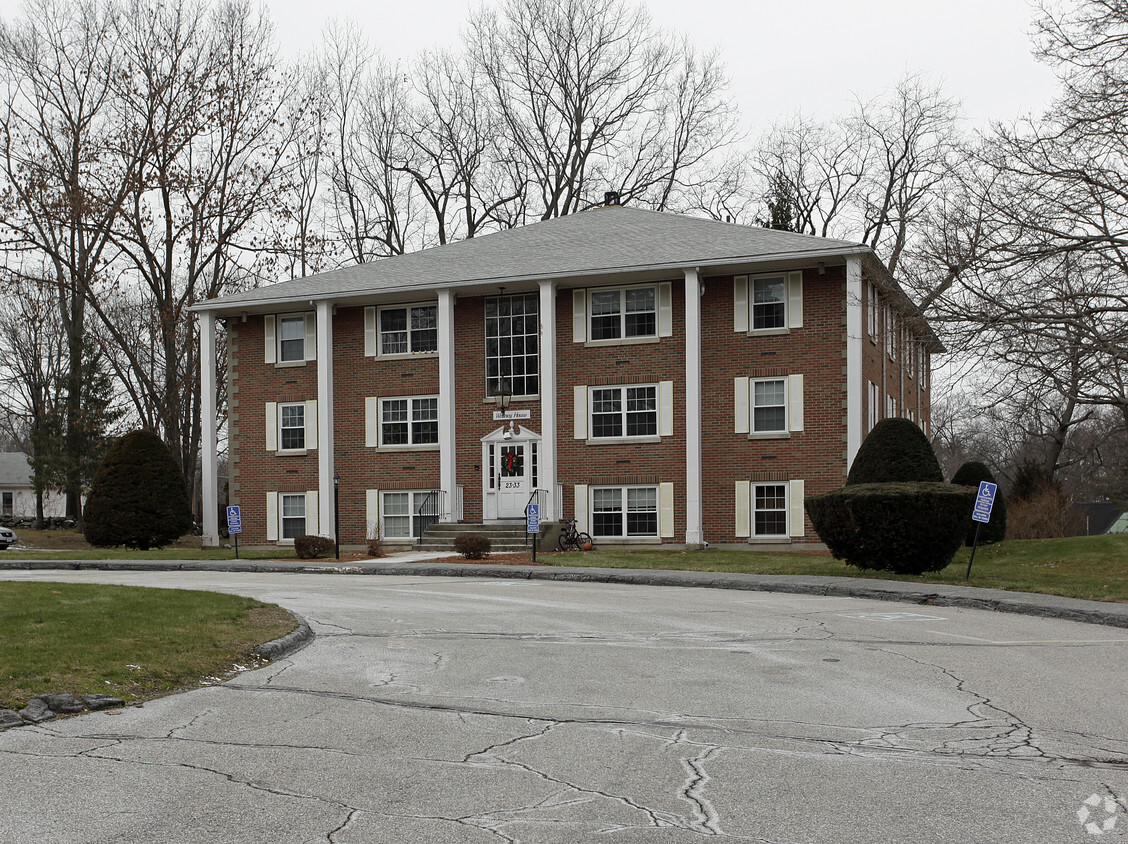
(7, 537)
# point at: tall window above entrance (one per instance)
(511, 343)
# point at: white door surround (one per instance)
(510, 457)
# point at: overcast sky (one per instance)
(814, 55)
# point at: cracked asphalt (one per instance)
(436, 709)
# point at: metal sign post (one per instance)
(532, 525)
(984, 502)
(235, 525)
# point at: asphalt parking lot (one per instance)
(465, 709)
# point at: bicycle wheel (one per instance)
(584, 540)
(566, 542)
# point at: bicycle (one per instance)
(572, 539)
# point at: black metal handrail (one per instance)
(428, 512)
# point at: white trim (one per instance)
(622, 314)
(311, 424)
(795, 402)
(580, 492)
(309, 345)
(665, 309)
(743, 509)
(547, 456)
(774, 379)
(579, 316)
(666, 510)
(795, 299)
(855, 421)
(371, 513)
(694, 511)
(742, 414)
(271, 415)
(370, 339)
(272, 523)
(786, 509)
(371, 422)
(665, 408)
(580, 412)
(621, 389)
(324, 441)
(208, 446)
(311, 508)
(407, 308)
(448, 443)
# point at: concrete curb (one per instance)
(288, 644)
(970, 597)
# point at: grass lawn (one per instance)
(129, 642)
(72, 545)
(1092, 567)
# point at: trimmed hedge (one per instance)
(472, 546)
(309, 547)
(895, 451)
(971, 474)
(137, 498)
(907, 528)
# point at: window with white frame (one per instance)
(292, 514)
(910, 352)
(874, 315)
(291, 338)
(891, 333)
(512, 332)
(769, 302)
(769, 510)
(625, 313)
(892, 413)
(628, 411)
(409, 330)
(769, 405)
(6, 503)
(409, 421)
(874, 405)
(622, 512)
(292, 426)
(399, 513)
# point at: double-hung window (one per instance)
(624, 411)
(769, 406)
(769, 302)
(292, 426)
(769, 513)
(624, 511)
(399, 512)
(512, 332)
(409, 330)
(409, 421)
(291, 338)
(293, 515)
(618, 314)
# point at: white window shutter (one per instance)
(581, 513)
(270, 341)
(371, 433)
(740, 303)
(740, 405)
(666, 409)
(370, 332)
(743, 508)
(795, 496)
(579, 316)
(579, 419)
(795, 300)
(665, 309)
(310, 352)
(272, 516)
(311, 424)
(666, 510)
(795, 402)
(272, 426)
(311, 512)
(371, 513)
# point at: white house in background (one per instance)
(17, 494)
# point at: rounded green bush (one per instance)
(137, 497)
(309, 547)
(895, 451)
(972, 474)
(907, 528)
(472, 546)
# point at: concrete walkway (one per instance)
(421, 563)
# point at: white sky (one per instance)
(782, 55)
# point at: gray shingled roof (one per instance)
(14, 470)
(602, 240)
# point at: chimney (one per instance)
(611, 197)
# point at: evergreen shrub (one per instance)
(907, 528)
(972, 474)
(137, 498)
(895, 451)
(472, 546)
(310, 547)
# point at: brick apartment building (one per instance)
(669, 380)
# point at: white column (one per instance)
(855, 383)
(547, 467)
(448, 473)
(208, 448)
(325, 463)
(693, 510)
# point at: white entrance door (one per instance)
(512, 467)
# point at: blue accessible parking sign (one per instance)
(234, 519)
(984, 502)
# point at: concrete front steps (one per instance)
(503, 536)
